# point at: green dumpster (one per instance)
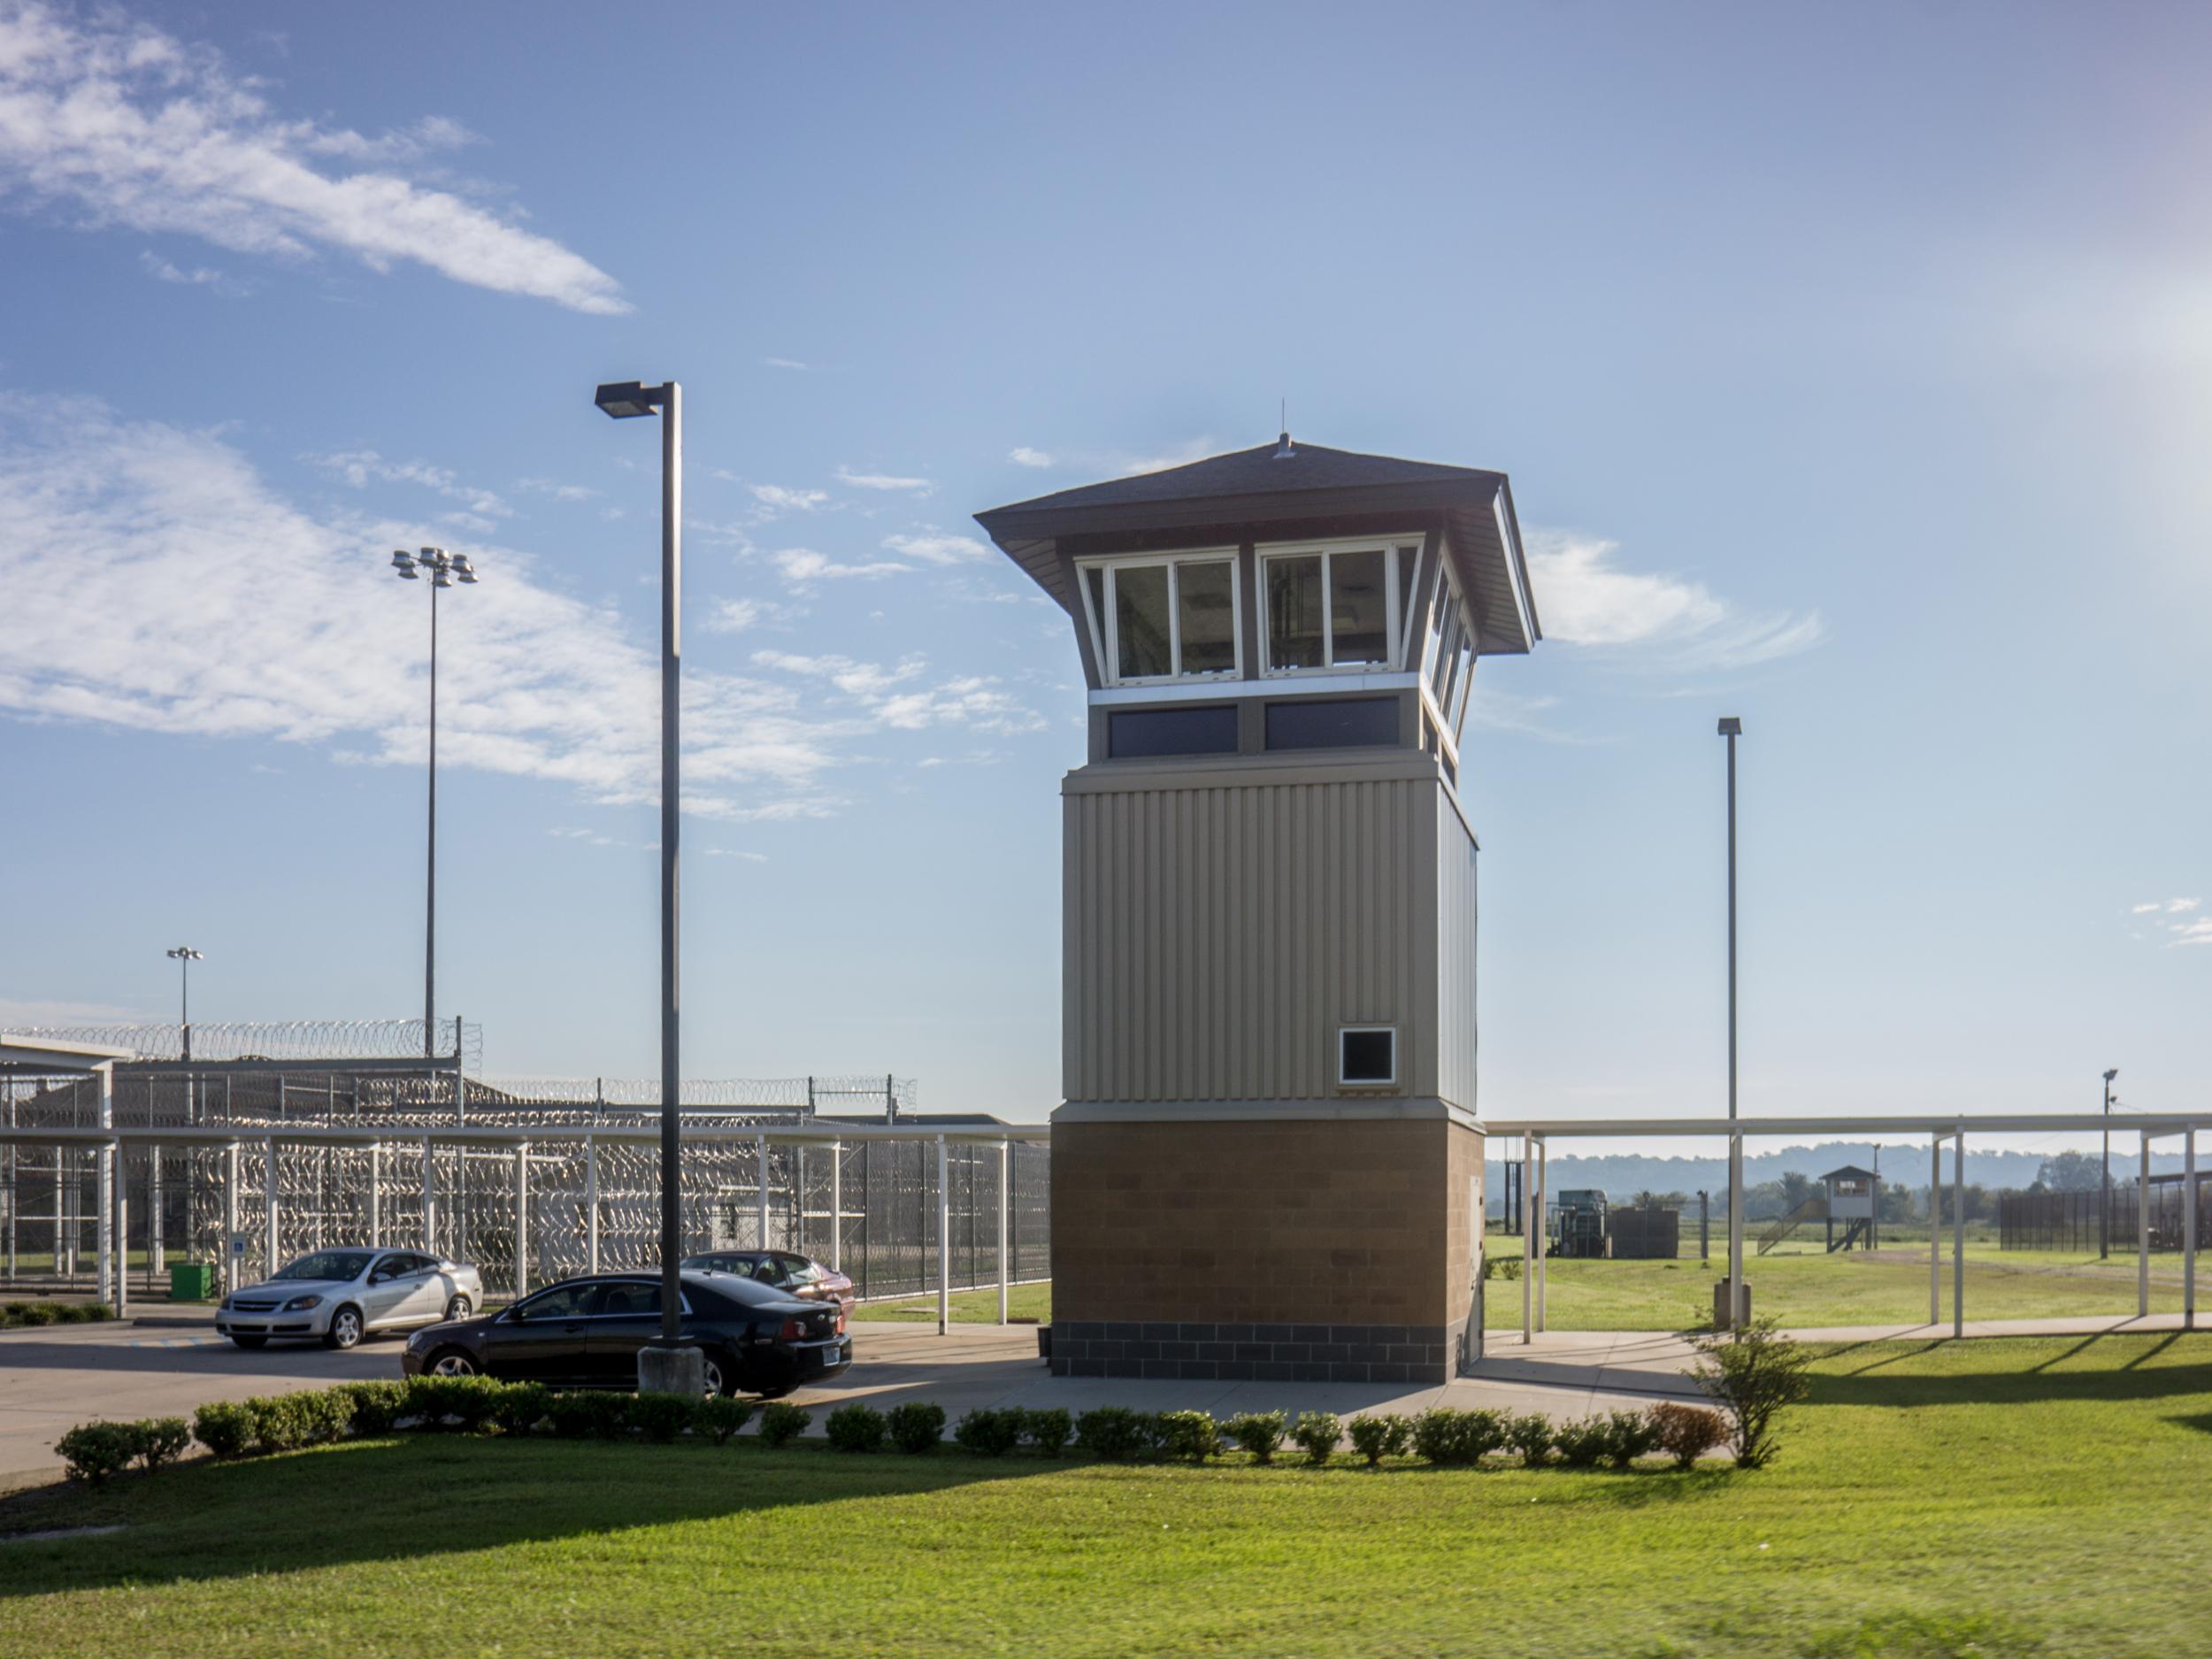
(191, 1281)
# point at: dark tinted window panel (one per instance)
(1333, 723)
(1369, 1057)
(1143, 733)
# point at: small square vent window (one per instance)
(1367, 1056)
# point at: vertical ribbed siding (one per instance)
(1217, 935)
(1455, 910)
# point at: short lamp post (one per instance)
(444, 571)
(667, 1366)
(1731, 728)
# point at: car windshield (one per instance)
(328, 1264)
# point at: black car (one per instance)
(586, 1332)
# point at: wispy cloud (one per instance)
(556, 490)
(2179, 922)
(893, 699)
(2197, 933)
(115, 616)
(742, 615)
(884, 480)
(1587, 597)
(934, 546)
(113, 122)
(1022, 455)
(791, 364)
(199, 276)
(362, 467)
(785, 499)
(801, 565)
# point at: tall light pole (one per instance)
(1731, 728)
(2104, 1197)
(667, 1366)
(444, 571)
(184, 956)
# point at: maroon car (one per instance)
(780, 1269)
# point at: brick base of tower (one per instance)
(1307, 1250)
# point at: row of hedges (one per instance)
(477, 1405)
(20, 1313)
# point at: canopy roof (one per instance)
(1292, 485)
(46, 1055)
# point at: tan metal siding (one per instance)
(1454, 956)
(1217, 932)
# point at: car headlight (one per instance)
(299, 1302)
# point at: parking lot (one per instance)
(58, 1376)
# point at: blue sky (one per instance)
(1853, 372)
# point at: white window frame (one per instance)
(1445, 590)
(1394, 624)
(1105, 640)
(1342, 1081)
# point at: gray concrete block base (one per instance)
(672, 1371)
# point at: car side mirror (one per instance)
(378, 1278)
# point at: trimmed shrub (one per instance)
(277, 1422)
(39, 1313)
(661, 1417)
(224, 1426)
(1258, 1432)
(717, 1417)
(1048, 1430)
(465, 1403)
(1584, 1443)
(1114, 1432)
(594, 1417)
(1685, 1433)
(1752, 1375)
(1629, 1435)
(1533, 1436)
(1443, 1436)
(990, 1434)
(162, 1440)
(93, 1451)
(1192, 1435)
(518, 1408)
(376, 1405)
(1381, 1436)
(855, 1428)
(94, 1312)
(1318, 1433)
(781, 1423)
(916, 1426)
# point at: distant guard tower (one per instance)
(1268, 1163)
(1850, 1192)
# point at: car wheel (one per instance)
(451, 1362)
(345, 1329)
(251, 1341)
(715, 1385)
(457, 1309)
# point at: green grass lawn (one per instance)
(969, 1307)
(1999, 1498)
(1810, 1288)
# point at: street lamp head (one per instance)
(1731, 725)
(462, 570)
(404, 562)
(184, 953)
(625, 399)
(2111, 1073)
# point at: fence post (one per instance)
(2189, 1228)
(1528, 1247)
(106, 1162)
(376, 1194)
(760, 1144)
(1005, 1202)
(429, 1200)
(837, 1204)
(2143, 1230)
(154, 1260)
(122, 1199)
(522, 1219)
(269, 1208)
(1958, 1235)
(15, 1170)
(591, 1203)
(231, 1264)
(944, 1257)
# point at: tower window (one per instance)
(1338, 606)
(1164, 618)
(1366, 1056)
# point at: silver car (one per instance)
(339, 1296)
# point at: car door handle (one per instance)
(571, 1330)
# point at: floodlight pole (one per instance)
(626, 401)
(1731, 728)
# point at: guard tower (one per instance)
(1850, 1192)
(1268, 1163)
